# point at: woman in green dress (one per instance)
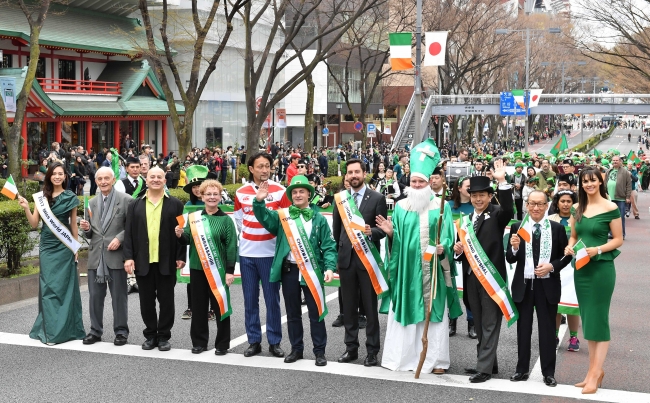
(592, 219)
(59, 299)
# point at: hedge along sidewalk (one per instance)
(592, 142)
(15, 239)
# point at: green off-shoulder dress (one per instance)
(595, 281)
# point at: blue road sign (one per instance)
(326, 130)
(372, 128)
(509, 107)
(358, 126)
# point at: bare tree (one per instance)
(286, 21)
(35, 14)
(197, 32)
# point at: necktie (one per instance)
(295, 212)
(356, 199)
(478, 220)
(537, 233)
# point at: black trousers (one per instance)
(291, 289)
(487, 321)
(355, 282)
(213, 301)
(362, 311)
(535, 300)
(155, 286)
(199, 329)
(519, 203)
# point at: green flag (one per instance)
(560, 146)
(632, 157)
(597, 153)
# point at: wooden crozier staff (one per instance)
(433, 287)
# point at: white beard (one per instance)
(419, 198)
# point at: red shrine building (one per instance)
(93, 86)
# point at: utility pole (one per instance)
(418, 55)
(526, 91)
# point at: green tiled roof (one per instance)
(131, 75)
(79, 29)
(135, 107)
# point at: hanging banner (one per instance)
(8, 92)
(281, 118)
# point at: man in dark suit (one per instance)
(489, 221)
(133, 180)
(152, 251)
(536, 285)
(353, 275)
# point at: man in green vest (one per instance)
(305, 259)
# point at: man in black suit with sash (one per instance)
(353, 275)
(153, 252)
(133, 181)
(489, 222)
(536, 285)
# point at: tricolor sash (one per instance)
(210, 260)
(57, 227)
(303, 252)
(485, 271)
(366, 250)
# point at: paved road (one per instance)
(71, 372)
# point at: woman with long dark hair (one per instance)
(591, 220)
(79, 170)
(59, 299)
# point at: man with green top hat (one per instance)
(414, 233)
(196, 174)
(305, 259)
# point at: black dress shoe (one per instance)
(518, 376)
(338, 322)
(253, 349)
(120, 340)
(91, 339)
(495, 371)
(550, 381)
(198, 349)
(150, 344)
(293, 356)
(220, 351)
(321, 361)
(471, 331)
(363, 322)
(276, 350)
(164, 345)
(371, 360)
(480, 377)
(349, 356)
(452, 327)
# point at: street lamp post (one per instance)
(381, 122)
(338, 106)
(527, 89)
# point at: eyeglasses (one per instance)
(301, 166)
(533, 205)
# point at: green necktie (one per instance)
(537, 233)
(295, 212)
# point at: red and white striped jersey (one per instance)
(255, 241)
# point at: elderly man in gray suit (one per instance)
(105, 231)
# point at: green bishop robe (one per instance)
(409, 283)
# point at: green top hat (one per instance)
(424, 159)
(299, 181)
(519, 164)
(488, 157)
(517, 154)
(526, 155)
(195, 175)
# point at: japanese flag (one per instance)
(436, 45)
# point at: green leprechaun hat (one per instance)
(299, 181)
(424, 159)
(195, 175)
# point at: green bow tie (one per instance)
(307, 213)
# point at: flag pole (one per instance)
(417, 94)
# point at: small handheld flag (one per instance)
(524, 230)
(182, 220)
(9, 189)
(560, 146)
(88, 214)
(582, 257)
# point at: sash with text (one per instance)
(57, 227)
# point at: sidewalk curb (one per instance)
(21, 288)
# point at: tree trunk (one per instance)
(309, 115)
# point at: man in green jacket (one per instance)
(305, 258)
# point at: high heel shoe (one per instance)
(599, 383)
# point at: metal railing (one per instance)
(58, 85)
(494, 99)
(404, 124)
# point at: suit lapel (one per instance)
(111, 214)
(481, 219)
(364, 201)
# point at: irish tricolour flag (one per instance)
(400, 50)
(87, 209)
(582, 258)
(525, 229)
(9, 189)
